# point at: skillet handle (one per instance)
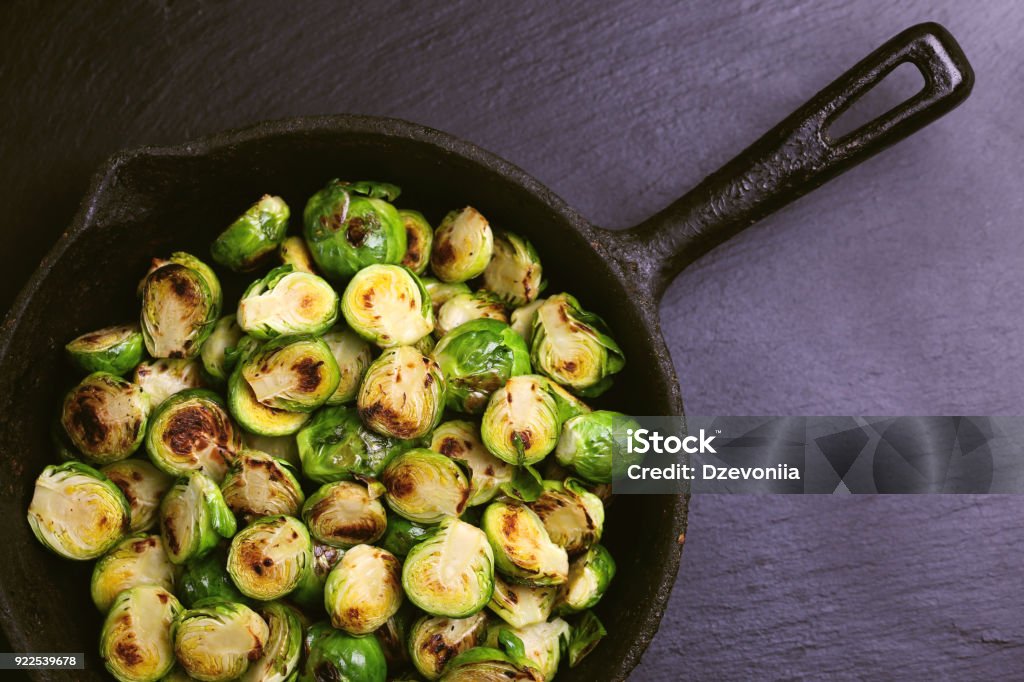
(796, 156)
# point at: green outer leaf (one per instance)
(335, 446)
(477, 358)
(585, 636)
(118, 356)
(252, 236)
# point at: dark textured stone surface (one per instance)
(893, 290)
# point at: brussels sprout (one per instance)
(143, 485)
(589, 577)
(180, 305)
(402, 394)
(294, 252)
(540, 643)
(191, 431)
(343, 514)
(441, 292)
(402, 534)
(287, 303)
(256, 417)
(387, 304)
(585, 636)
(77, 512)
(253, 236)
(281, 447)
(514, 273)
(435, 641)
(462, 308)
(419, 237)
(205, 271)
(349, 226)
(160, 379)
(283, 647)
(521, 605)
(335, 655)
(425, 486)
(217, 639)
(137, 560)
(63, 448)
(363, 590)
(353, 355)
(485, 664)
(193, 518)
(462, 248)
(105, 417)
(393, 636)
(325, 557)
(451, 571)
(587, 444)
(572, 515)
(207, 578)
(460, 440)
(135, 642)
(260, 485)
(293, 373)
(241, 351)
(477, 358)
(112, 349)
(271, 558)
(523, 317)
(573, 347)
(226, 334)
(521, 422)
(568, 405)
(522, 549)
(336, 446)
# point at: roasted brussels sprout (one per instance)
(463, 244)
(402, 394)
(336, 446)
(225, 335)
(573, 347)
(541, 643)
(522, 549)
(462, 308)
(441, 292)
(193, 518)
(180, 304)
(572, 515)
(521, 422)
(113, 349)
(335, 655)
(294, 252)
(256, 417)
(191, 431)
(589, 577)
(207, 578)
(287, 303)
(523, 318)
(137, 560)
(521, 605)
(568, 405)
(435, 641)
(460, 440)
(514, 273)
(451, 571)
(105, 417)
(273, 557)
(349, 226)
(585, 636)
(486, 664)
(77, 512)
(325, 557)
(260, 485)
(419, 237)
(353, 355)
(283, 648)
(217, 639)
(143, 485)
(253, 236)
(587, 444)
(136, 642)
(280, 447)
(387, 304)
(402, 534)
(363, 590)
(293, 373)
(160, 379)
(343, 514)
(393, 636)
(425, 486)
(477, 358)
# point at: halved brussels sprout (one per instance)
(402, 394)
(180, 305)
(353, 355)
(514, 273)
(136, 643)
(451, 571)
(281, 447)
(363, 590)
(191, 431)
(105, 417)
(294, 252)
(193, 518)
(522, 605)
(435, 641)
(343, 514)
(585, 636)
(335, 655)
(225, 335)
(521, 422)
(463, 244)
(477, 358)
(523, 318)
(402, 534)
(112, 349)
(283, 648)
(387, 304)
(573, 347)
(287, 303)
(460, 440)
(217, 639)
(271, 558)
(260, 485)
(143, 485)
(486, 664)
(522, 549)
(336, 446)
(293, 373)
(253, 236)
(137, 560)
(540, 643)
(77, 512)
(589, 577)
(349, 226)
(393, 636)
(587, 444)
(425, 486)
(419, 237)
(160, 379)
(441, 292)
(462, 308)
(256, 417)
(572, 515)
(207, 578)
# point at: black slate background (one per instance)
(897, 289)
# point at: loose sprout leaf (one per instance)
(525, 486)
(585, 636)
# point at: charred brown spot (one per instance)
(428, 380)
(353, 613)
(569, 366)
(414, 247)
(509, 523)
(326, 672)
(162, 597)
(307, 302)
(444, 253)
(85, 416)
(437, 646)
(512, 597)
(136, 476)
(257, 648)
(393, 421)
(188, 430)
(128, 652)
(400, 483)
(564, 316)
(525, 437)
(308, 370)
(489, 471)
(268, 562)
(450, 446)
(358, 230)
(171, 535)
(368, 298)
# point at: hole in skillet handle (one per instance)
(901, 84)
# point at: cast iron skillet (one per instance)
(151, 201)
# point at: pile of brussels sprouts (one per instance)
(348, 476)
